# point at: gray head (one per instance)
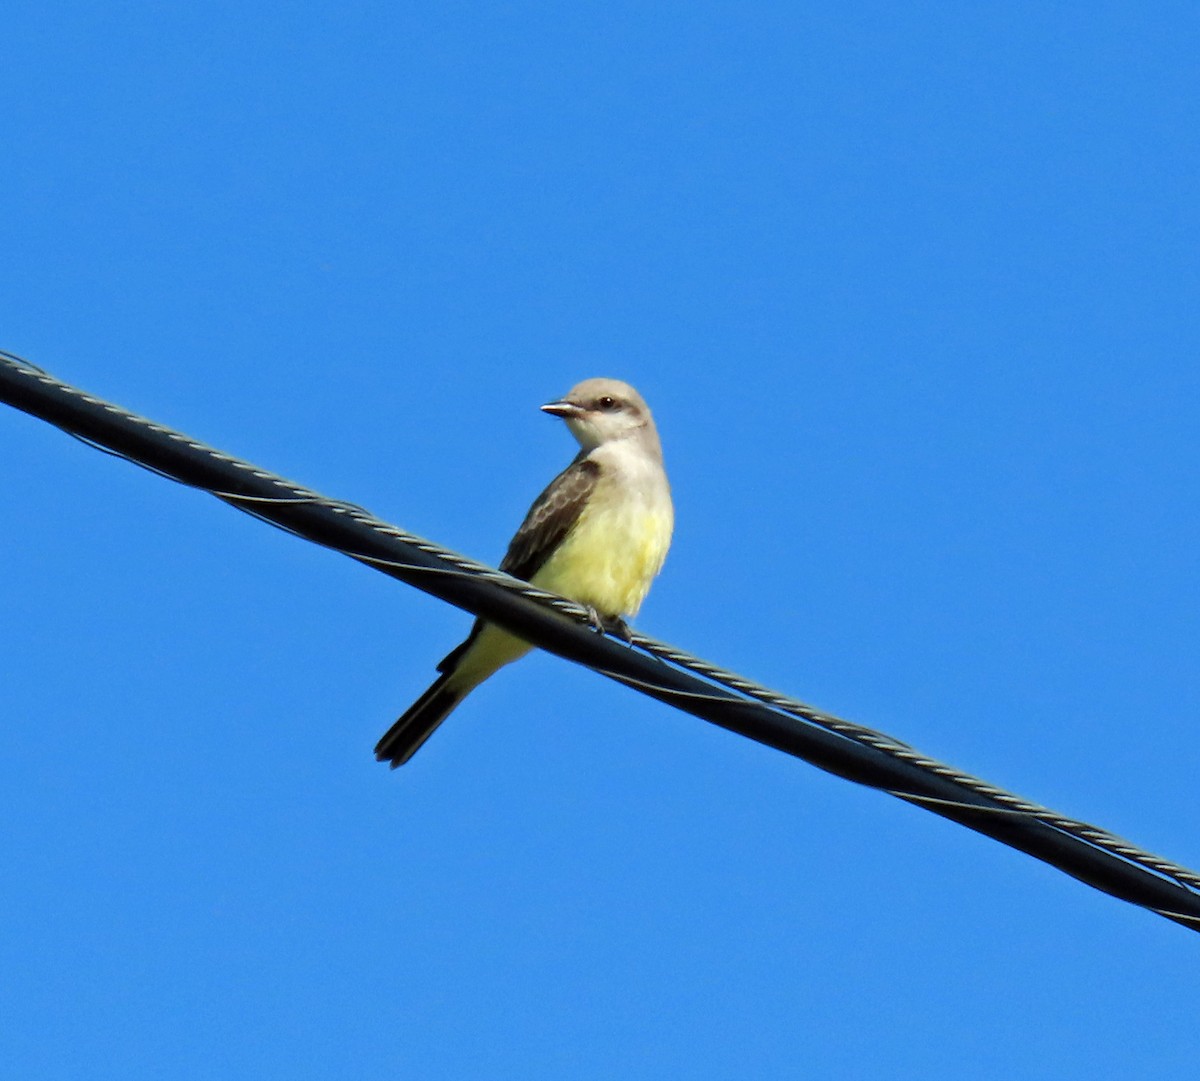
(602, 410)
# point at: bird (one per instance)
(597, 535)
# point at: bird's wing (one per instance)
(551, 518)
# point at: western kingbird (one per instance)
(598, 535)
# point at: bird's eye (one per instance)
(606, 403)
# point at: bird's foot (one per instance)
(613, 625)
(620, 629)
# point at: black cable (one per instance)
(672, 676)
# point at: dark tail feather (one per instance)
(405, 737)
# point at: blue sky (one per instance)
(912, 290)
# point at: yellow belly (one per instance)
(607, 561)
(610, 558)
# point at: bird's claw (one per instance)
(613, 625)
(619, 629)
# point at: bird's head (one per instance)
(601, 410)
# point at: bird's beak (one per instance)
(563, 409)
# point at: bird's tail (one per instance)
(404, 738)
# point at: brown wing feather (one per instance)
(549, 520)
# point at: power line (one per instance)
(670, 675)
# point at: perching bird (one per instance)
(598, 535)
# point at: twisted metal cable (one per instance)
(1102, 839)
(457, 565)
